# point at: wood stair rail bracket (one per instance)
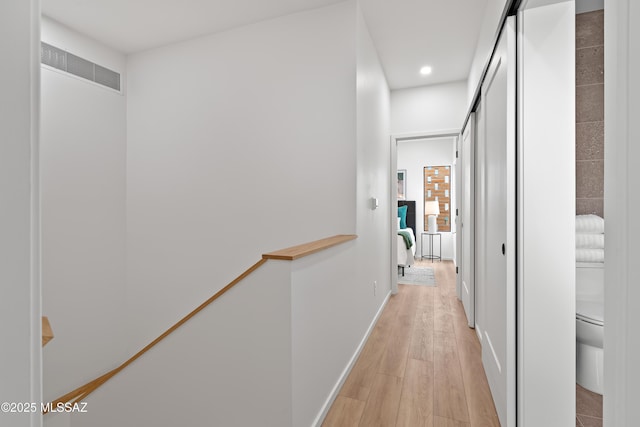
(288, 254)
(47, 332)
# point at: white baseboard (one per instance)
(347, 370)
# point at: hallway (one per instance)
(421, 365)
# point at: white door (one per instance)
(499, 341)
(466, 219)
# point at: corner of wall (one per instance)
(373, 175)
(63, 37)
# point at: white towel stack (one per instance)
(589, 224)
(589, 241)
(589, 238)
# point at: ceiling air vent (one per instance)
(72, 64)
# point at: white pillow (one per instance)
(398, 223)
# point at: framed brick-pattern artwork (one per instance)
(437, 186)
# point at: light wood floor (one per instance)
(420, 367)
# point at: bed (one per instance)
(406, 254)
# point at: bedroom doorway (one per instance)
(411, 153)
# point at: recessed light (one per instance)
(426, 70)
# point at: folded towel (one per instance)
(589, 241)
(589, 224)
(589, 255)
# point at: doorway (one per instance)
(418, 157)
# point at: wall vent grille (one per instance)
(72, 64)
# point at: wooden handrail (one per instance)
(296, 252)
(290, 254)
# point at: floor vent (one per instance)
(72, 64)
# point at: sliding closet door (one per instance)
(499, 340)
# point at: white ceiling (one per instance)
(411, 33)
(407, 33)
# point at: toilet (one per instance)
(590, 325)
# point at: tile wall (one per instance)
(590, 113)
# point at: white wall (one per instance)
(546, 381)
(222, 166)
(428, 108)
(268, 331)
(486, 39)
(20, 331)
(583, 6)
(230, 365)
(327, 325)
(622, 203)
(291, 186)
(413, 156)
(239, 143)
(373, 172)
(82, 165)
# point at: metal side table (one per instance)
(431, 256)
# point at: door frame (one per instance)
(546, 237)
(21, 308)
(393, 202)
(621, 205)
(460, 210)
